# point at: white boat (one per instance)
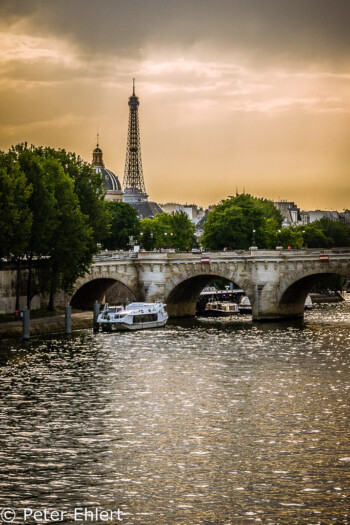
(244, 306)
(220, 308)
(308, 303)
(134, 316)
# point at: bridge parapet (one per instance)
(341, 253)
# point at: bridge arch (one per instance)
(295, 290)
(183, 293)
(90, 290)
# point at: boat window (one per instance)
(144, 318)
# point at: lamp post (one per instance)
(303, 238)
(279, 247)
(165, 240)
(254, 246)
(141, 238)
(151, 234)
(171, 240)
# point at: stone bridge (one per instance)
(276, 282)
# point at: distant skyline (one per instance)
(246, 94)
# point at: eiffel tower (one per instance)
(134, 185)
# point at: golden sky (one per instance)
(246, 94)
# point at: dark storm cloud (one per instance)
(12, 10)
(298, 30)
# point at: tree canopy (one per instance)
(53, 204)
(168, 230)
(326, 233)
(231, 223)
(123, 224)
(16, 217)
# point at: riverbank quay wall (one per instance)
(8, 284)
(46, 325)
(276, 282)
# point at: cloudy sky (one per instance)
(246, 94)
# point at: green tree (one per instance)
(147, 237)
(338, 231)
(326, 233)
(67, 213)
(42, 204)
(15, 214)
(183, 231)
(231, 223)
(123, 224)
(291, 237)
(154, 232)
(88, 185)
(89, 188)
(71, 244)
(168, 230)
(314, 237)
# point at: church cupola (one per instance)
(97, 158)
(111, 182)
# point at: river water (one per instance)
(211, 422)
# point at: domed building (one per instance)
(111, 181)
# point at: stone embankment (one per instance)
(46, 325)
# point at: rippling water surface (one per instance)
(203, 422)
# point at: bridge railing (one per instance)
(107, 256)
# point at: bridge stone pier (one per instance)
(276, 282)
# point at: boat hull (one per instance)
(218, 313)
(125, 327)
(245, 309)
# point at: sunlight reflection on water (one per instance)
(204, 422)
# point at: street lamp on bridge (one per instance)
(254, 246)
(279, 246)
